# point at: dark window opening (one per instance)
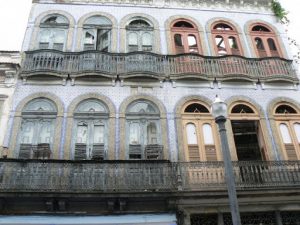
(196, 108)
(183, 24)
(253, 218)
(285, 109)
(222, 26)
(259, 44)
(240, 108)
(178, 40)
(272, 45)
(52, 19)
(204, 219)
(248, 144)
(260, 29)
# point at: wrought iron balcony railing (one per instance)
(141, 176)
(161, 67)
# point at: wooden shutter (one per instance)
(209, 143)
(192, 142)
(193, 151)
(154, 151)
(291, 152)
(135, 151)
(98, 152)
(80, 151)
(211, 153)
(25, 151)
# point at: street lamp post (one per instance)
(219, 111)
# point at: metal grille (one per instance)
(255, 218)
(204, 219)
(290, 218)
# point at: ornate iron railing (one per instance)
(141, 175)
(157, 66)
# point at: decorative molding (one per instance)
(219, 4)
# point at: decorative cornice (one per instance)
(10, 57)
(212, 4)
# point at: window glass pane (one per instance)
(45, 36)
(285, 133)
(208, 134)
(147, 39)
(259, 44)
(297, 131)
(152, 134)
(272, 45)
(89, 37)
(134, 134)
(56, 20)
(192, 41)
(27, 132)
(142, 107)
(59, 36)
(178, 40)
(91, 106)
(97, 20)
(220, 45)
(40, 105)
(98, 134)
(191, 134)
(44, 132)
(133, 39)
(233, 43)
(103, 40)
(139, 24)
(82, 132)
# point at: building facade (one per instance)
(10, 62)
(111, 123)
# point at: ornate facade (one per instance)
(111, 119)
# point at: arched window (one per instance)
(143, 131)
(199, 133)
(247, 132)
(37, 129)
(97, 34)
(264, 41)
(139, 36)
(90, 130)
(226, 39)
(53, 32)
(288, 122)
(185, 37)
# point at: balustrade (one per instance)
(159, 66)
(141, 176)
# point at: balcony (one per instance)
(160, 67)
(57, 176)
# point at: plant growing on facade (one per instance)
(280, 12)
(281, 15)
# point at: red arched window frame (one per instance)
(226, 39)
(264, 41)
(185, 37)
